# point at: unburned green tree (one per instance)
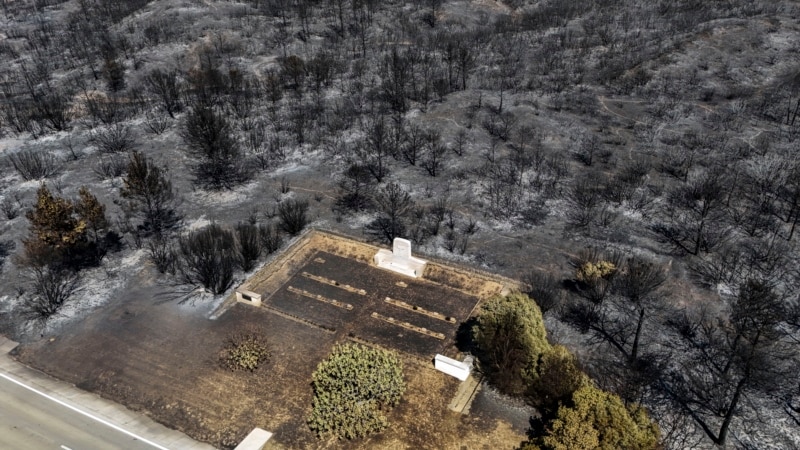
(65, 231)
(98, 238)
(53, 221)
(558, 377)
(93, 213)
(598, 420)
(511, 339)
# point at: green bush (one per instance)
(353, 388)
(245, 351)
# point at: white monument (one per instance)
(400, 260)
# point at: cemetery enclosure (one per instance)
(151, 354)
(350, 298)
(329, 282)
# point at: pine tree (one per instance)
(92, 212)
(598, 420)
(53, 221)
(511, 337)
(114, 73)
(558, 377)
(65, 232)
(149, 193)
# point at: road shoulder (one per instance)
(93, 405)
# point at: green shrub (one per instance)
(352, 390)
(245, 351)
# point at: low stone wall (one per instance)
(255, 440)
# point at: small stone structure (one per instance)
(400, 260)
(453, 367)
(256, 440)
(246, 296)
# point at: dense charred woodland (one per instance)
(632, 162)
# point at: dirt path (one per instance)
(708, 109)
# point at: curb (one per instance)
(103, 411)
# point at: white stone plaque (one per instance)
(401, 248)
(244, 295)
(256, 440)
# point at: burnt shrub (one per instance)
(162, 254)
(250, 245)
(208, 257)
(293, 216)
(116, 138)
(33, 165)
(270, 237)
(52, 286)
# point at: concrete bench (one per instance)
(453, 367)
(243, 295)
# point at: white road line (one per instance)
(104, 422)
(65, 447)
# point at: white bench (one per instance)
(400, 260)
(453, 367)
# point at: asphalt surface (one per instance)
(29, 420)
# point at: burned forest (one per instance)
(631, 164)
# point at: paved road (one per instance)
(29, 420)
